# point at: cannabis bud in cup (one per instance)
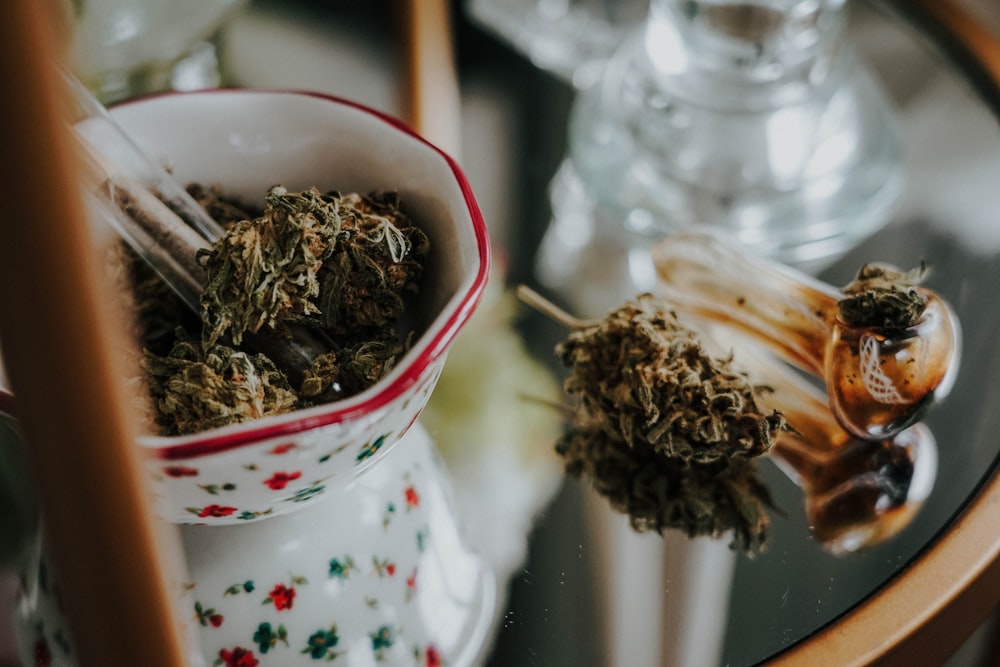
(299, 305)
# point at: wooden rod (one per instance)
(431, 102)
(62, 350)
(957, 19)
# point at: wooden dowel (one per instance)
(61, 347)
(432, 102)
(960, 21)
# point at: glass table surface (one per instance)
(581, 597)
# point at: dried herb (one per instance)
(351, 369)
(338, 265)
(663, 430)
(221, 206)
(197, 387)
(337, 262)
(661, 492)
(647, 381)
(883, 296)
(263, 271)
(377, 263)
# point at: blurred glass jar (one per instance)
(755, 116)
(570, 38)
(126, 48)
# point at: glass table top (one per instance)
(593, 594)
(590, 592)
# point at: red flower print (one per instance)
(390, 569)
(238, 657)
(207, 616)
(216, 511)
(411, 585)
(412, 499)
(282, 596)
(180, 471)
(42, 655)
(433, 657)
(283, 449)
(280, 480)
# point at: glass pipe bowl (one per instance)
(879, 379)
(889, 378)
(246, 141)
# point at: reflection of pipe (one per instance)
(858, 492)
(865, 493)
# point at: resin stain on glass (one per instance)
(886, 347)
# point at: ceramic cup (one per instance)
(246, 141)
(325, 534)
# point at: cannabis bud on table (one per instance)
(667, 433)
(334, 270)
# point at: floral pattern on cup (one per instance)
(276, 476)
(374, 572)
(385, 564)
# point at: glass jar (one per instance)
(570, 38)
(127, 48)
(754, 116)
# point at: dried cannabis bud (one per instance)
(378, 261)
(221, 206)
(264, 270)
(351, 369)
(646, 380)
(665, 432)
(883, 296)
(314, 285)
(664, 492)
(338, 262)
(198, 387)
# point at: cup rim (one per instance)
(456, 314)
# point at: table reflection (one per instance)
(589, 590)
(625, 585)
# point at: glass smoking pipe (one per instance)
(858, 492)
(879, 379)
(160, 221)
(166, 229)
